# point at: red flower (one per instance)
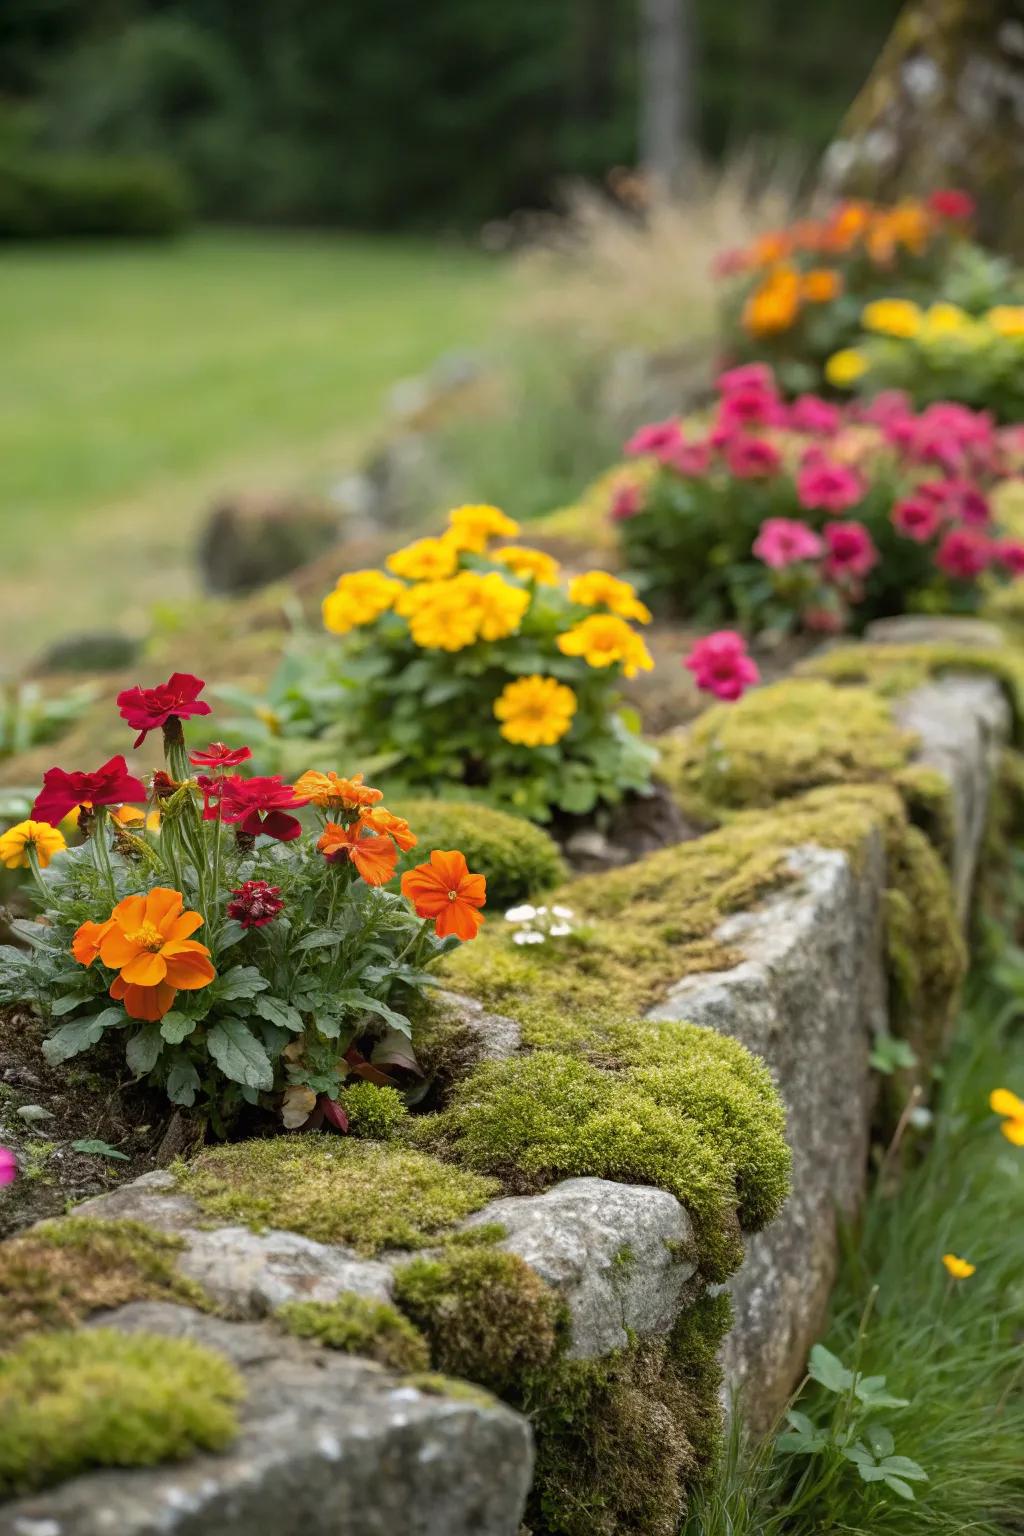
(964, 553)
(950, 203)
(256, 903)
(851, 550)
(110, 785)
(720, 665)
(257, 804)
(218, 755)
(828, 487)
(1010, 555)
(146, 708)
(752, 458)
(917, 518)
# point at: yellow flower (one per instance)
(535, 711)
(528, 563)
(1007, 319)
(497, 605)
(945, 319)
(604, 639)
(960, 1269)
(599, 589)
(1003, 1102)
(131, 816)
(892, 317)
(846, 367)
(359, 598)
(472, 527)
(440, 617)
(16, 841)
(425, 560)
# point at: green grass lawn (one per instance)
(138, 382)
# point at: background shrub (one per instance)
(51, 196)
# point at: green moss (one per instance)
(518, 858)
(99, 1398)
(435, 1384)
(358, 1325)
(59, 1272)
(486, 1314)
(335, 1189)
(701, 1120)
(779, 741)
(374, 1113)
(925, 946)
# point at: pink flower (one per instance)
(728, 263)
(851, 550)
(721, 666)
(690, 459)
(145, 709)
(659, 438)
(1010, 556)
(889, 406)
(752, 458)
(829, 487)
(626, 503)
(963, 502)
(8, 1166)
(917, 518)
(953, 204)
(783, 541)
(746, 376)
(809, 413)
(822, 620)
(964, 553)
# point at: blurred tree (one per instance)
(943, 106)
(666, 87)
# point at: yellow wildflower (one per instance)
(1003, 1102)
(439, 614)
(528, 564)
(846, 367)
(535, 711)
(1007, 319)
(604, 639)
(945, 320)
(599, 589)
(425, 560)
(892, 317)
(960, 1269)
(359, 598)
(16, 842)
(497, 605)
(473, 526)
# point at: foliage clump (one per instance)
(374, 1112)
(59, 1272)
(99, 1398)
(517, 858)
(335, 1189)
(358, 1325)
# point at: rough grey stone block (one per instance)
(620, 1255)
(329, 1446)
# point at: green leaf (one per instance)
(69, 1001)
(275, 1011)
(99, 1149)
(320, 938)
(182, 1083)
(830, 1372)
(239, 1054)
(231, 933)
(239, 981)
(176, 1027)
(899, 1486)
(70, 1039)
(902, 1466)
(880, 1440)
(143, 1049)
(362, 1000)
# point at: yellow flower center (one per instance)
(147, 937)
(453, 895)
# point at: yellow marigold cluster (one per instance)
(471, 528)
(528, 564)
(604, 639)
(358, 598)
(599, 589)
(535, 711)
(449, 615)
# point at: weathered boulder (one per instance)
(252, 540)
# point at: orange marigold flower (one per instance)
(387, 825)
(374, 857)
(445, 890)
(775, 304)
(146, 938)
(85, 946)
(821, 285)
(330, 791)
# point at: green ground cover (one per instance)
(140, 381)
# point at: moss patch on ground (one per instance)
(335, 1189)
(518, 858)
(358, 1325)
(59, 1272)
(894, 670)
(374, 1113)
(99, 1398)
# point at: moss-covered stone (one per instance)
(894, 670)
(358, 1325)
(486, 1314)
(335, 1189)
(99, 1398)
(57, 1273)
(374, 1113)
(518, 858)
(925, 946)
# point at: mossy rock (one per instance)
(358, 1325)
(374, 1112)
(57, 1273)
(518, 858)
(99, 1398)
(335, 1189)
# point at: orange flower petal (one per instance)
(460, 918)
(426, 892)
(145, 970)
(149, 1003)
(162, 907)
(375, 859)
(130, 913)
(85, 946)
(182, 926)
(116, 949)
(449, 867)
(189, 970)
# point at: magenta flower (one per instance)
(783, 541)
(851, 550)
(1010, 555)
(8, 1166)
(690, 459)
(720, 665)
(659, 438)
(811, 414)
(752, 458)
(887, 408)
(627, 502)
(145, 709)
(746, 376)
(829, 487)
(964, 553)
(917, 518)
(963, 502)
(256, 903)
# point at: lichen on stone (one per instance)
(517, 857)
(486, 1313)
(336, 1189)
(358, 1325)
(100, 1398)
(57, 1273)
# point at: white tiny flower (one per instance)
(558, 930)
(523, 914)
(542, 911)
(528, 936)
(562, 912)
